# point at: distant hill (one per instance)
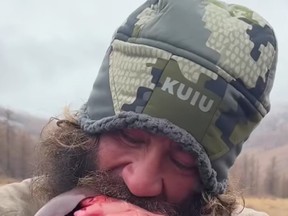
(19, 135)
(268, 143)
(272, 131)
(270, 139)
(33, 125)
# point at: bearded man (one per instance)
(181, 88)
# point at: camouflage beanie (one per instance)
(197, 71)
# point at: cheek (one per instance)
(105, 151)
(179, 188)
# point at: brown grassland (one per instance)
(272, 206)
(6, 180)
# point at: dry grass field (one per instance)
(6, 180)
(272, 206)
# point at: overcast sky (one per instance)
(51, 50)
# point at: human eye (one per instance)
(182, 165)
(183, 160)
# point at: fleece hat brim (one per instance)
(161, 127)
(198, 72)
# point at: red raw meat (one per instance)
(103, 206)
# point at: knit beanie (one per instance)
(196, 71)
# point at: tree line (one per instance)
(17, 149)
(254, 180)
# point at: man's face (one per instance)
(151, 166)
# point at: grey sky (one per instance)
(50, 50)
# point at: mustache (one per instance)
(104, 183)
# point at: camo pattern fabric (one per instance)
(228, 103)
(129, 71)
(205, 66)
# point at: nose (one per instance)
(143, 176)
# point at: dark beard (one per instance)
(68, 157)
(106, 184)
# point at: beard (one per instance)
(68, 158)
(104, 183)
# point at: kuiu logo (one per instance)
(171, 86)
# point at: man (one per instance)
(181, 88)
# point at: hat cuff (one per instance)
(163, 127)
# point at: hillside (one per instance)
(272, 131)
(270, 139)
(27, 122)
(19, 134)
(262, 166)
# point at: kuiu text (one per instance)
(184, 93)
